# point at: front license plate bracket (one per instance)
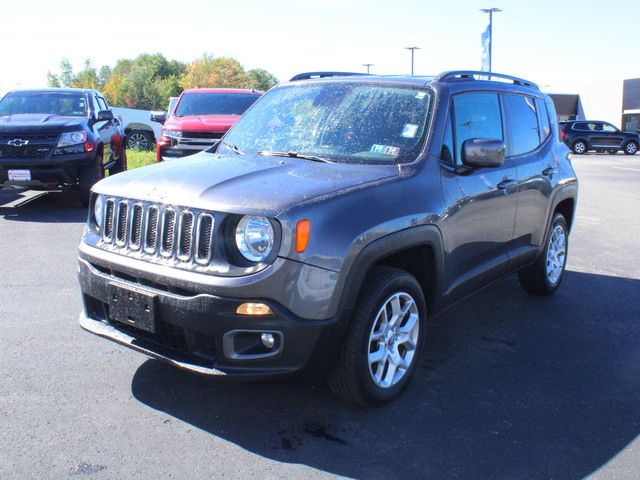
(132, 306)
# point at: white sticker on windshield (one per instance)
(409, 130)
(385, 150)
(421, 95)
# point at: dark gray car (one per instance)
(332, 221)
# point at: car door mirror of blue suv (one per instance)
(483, 152)
(105, 115)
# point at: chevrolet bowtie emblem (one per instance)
(17, 142)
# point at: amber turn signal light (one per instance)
(254, 309)
(303, 229)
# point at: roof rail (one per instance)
(310, 75)
(471, 74)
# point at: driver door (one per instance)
(481, 202)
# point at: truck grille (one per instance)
(203, 135)
(36, 146)
(158, 232)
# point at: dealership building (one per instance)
(616, 102)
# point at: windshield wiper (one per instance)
(233, 148)
(268, 153)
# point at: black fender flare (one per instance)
(569, 191)
(354, 273)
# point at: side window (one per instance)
(95, 105)
(609, 128)
(543, 119)
(522, 122)
(102, 104)
(476, 115)
(446, 155)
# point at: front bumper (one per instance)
(202, 332)
(61, 171)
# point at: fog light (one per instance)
(254, 309)
(268, 340)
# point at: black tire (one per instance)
(352, 377)
(121, 164)
(630, 148)
(88, 176)
(579, 147)
(140, 140)
(536, 279)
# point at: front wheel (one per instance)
(630, 148)
(544, 277)
(384, 341)
(579, 147)
(121, 164)
(88, 176)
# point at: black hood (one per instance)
(40, 123)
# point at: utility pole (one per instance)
(490, 11)
(368, 65)
(412, 50)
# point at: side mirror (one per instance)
(159, 117)
(105, 115)
(483, 152)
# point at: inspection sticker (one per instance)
(20, 175)
(409, 130)
(386, 150)
(421, 95)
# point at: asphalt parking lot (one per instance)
(511, 386)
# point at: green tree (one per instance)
(261, 79)
(145, 82)
(209, 71)
(64, 78)
(87, 77)
(103, 75)
(198, 73)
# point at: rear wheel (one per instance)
(384, 341)
(140, 140)
(544, 277)
(88, 176)
(631, 148)
(579, 147)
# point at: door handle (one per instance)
(507, 183)
(547, 172)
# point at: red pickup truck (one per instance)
(200, 118)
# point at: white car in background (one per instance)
(141, 131)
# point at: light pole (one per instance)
(412, 50)
(490, 11)
(368, 65)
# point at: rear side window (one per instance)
(543, 119)
(476, 115)
(522, 123)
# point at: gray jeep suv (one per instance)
(329, 225)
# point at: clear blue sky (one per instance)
(556, 43)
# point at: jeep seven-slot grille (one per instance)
(156, 231)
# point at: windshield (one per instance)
(54, 103)
(208, 103)
(342, 122)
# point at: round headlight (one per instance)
(98, 206)
(255, 238)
